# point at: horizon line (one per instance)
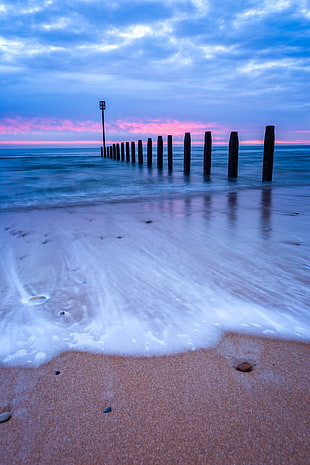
(94, 143)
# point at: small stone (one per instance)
(244, 367)
(57, 372)
(149, 221)
(107, 410)
(37, 299)
(119, 237)
(5, 416)
(62, 313)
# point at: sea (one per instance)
(152, 261)
(44, 178)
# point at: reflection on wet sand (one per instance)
(232, 202)
(266, 200)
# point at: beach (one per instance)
(125, 316)
(190, 408)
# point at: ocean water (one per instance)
(40, 178)
(106, 256)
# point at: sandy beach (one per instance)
(191, 408)
(122, 325)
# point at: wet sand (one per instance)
(191, 408)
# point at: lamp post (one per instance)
(102, 108)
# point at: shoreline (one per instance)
(168, 277)
(189, 408)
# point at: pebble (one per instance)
(61, 313)
(37, 299)
(57, 372)
(107, 410)
(5, 416)
(149, 221)
(244, 366)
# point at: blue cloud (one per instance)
(206, 58)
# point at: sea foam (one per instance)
(151, 278)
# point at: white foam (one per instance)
(171, 285)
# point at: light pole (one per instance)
(102, 108)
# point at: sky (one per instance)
(162, 66)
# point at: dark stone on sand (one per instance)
(119, 237)
(244, 367)
(61, 313)
(5, 416)
(149, 221)
(57, 372)
(107, 410)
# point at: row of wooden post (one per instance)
(127, 152)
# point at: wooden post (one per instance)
(187, 152)
(268, 153)
(114, 151)
(108, 152)
(170, 156)
(122, 151)
(233, 155)
(140, 152)
(160, 152)
(118, 154)
(207, 154)
(133, 152)
(149, 152)
(101, 151)
(127, 152)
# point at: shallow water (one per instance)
(145, 262)
(41, 178)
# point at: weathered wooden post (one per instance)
(101, 151)
(207, 154)
(127, 152)
(122, 151)
(268, 153)
(187, 152)
(160, 152)
(170, 156)
(133, 152)
(108, 152)
(149, 152)
(233, 152)
(114, 151)
(140, 152)
(118, 154)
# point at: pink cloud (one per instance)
(37, 125)
(63, 132)
(50, 142)
(159, 127)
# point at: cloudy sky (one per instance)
(163, 67)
